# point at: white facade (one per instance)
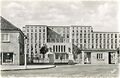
(83, 37)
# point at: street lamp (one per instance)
(25, 51)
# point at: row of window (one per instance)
(59, 48)
(81, 31)
(57, 40)
(104, 35)
(58, 36)
(81, 28)
(36, 30)
(61, 56)
(97, 46)
(95, 35)
(34, 27)
(81, 35)
(104, 46)
(94, 41)
(100, 56)
(104, 41)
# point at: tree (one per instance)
(44, 50)
(76, 51)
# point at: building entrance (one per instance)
(87, 58)
(111, 58)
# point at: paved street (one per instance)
(68, 71)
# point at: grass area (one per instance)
(68, 71)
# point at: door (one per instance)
(51, 58)
(111, 58)
(87, 58)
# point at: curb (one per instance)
(28, 68)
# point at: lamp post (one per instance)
(25, 51)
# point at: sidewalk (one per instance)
(28, 67)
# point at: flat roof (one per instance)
(105, 32)
(60, 25)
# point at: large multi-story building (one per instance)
(94, 47)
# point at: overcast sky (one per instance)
(101, 15)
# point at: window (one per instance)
(88, 40)
(100, 35)
(108, 36)
(116, 46)
(43, 30)
(27, 30)
(73, 31)
(56, 56)
(111, 40)
(80, 35)
(112, 46)
(100, 56)
(96, 35)
(115, 40)
(35, 36)
(31, 30)
(5, 37)
(104, 35)
(61, 48)
(77, 31)
(77, 34)
(84, 35)
(96, 40)
(39, 30)
(53, 48)
(92, 40)
(115, 35)
(100, 46)
(92, 45)
(67, 56)
(85, 31)
(84, 40)
(111, 35)
(67, 30)
(81, 31)
(92, 35)
(73, 34)
(104, 41)
(107, 46)
(56, 48)
(44, 35)
(80, 40)
(64, 48)
(88, 30)
(8, 57)
(88, 35)
(107, 40)
(104, 46)
(100, 40)
(39, 36)
(77, 41)
(67, 35)
(35, 30)
(80, 45)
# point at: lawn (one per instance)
(68, 71)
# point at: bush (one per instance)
(70, 62)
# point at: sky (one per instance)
(101, 15)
